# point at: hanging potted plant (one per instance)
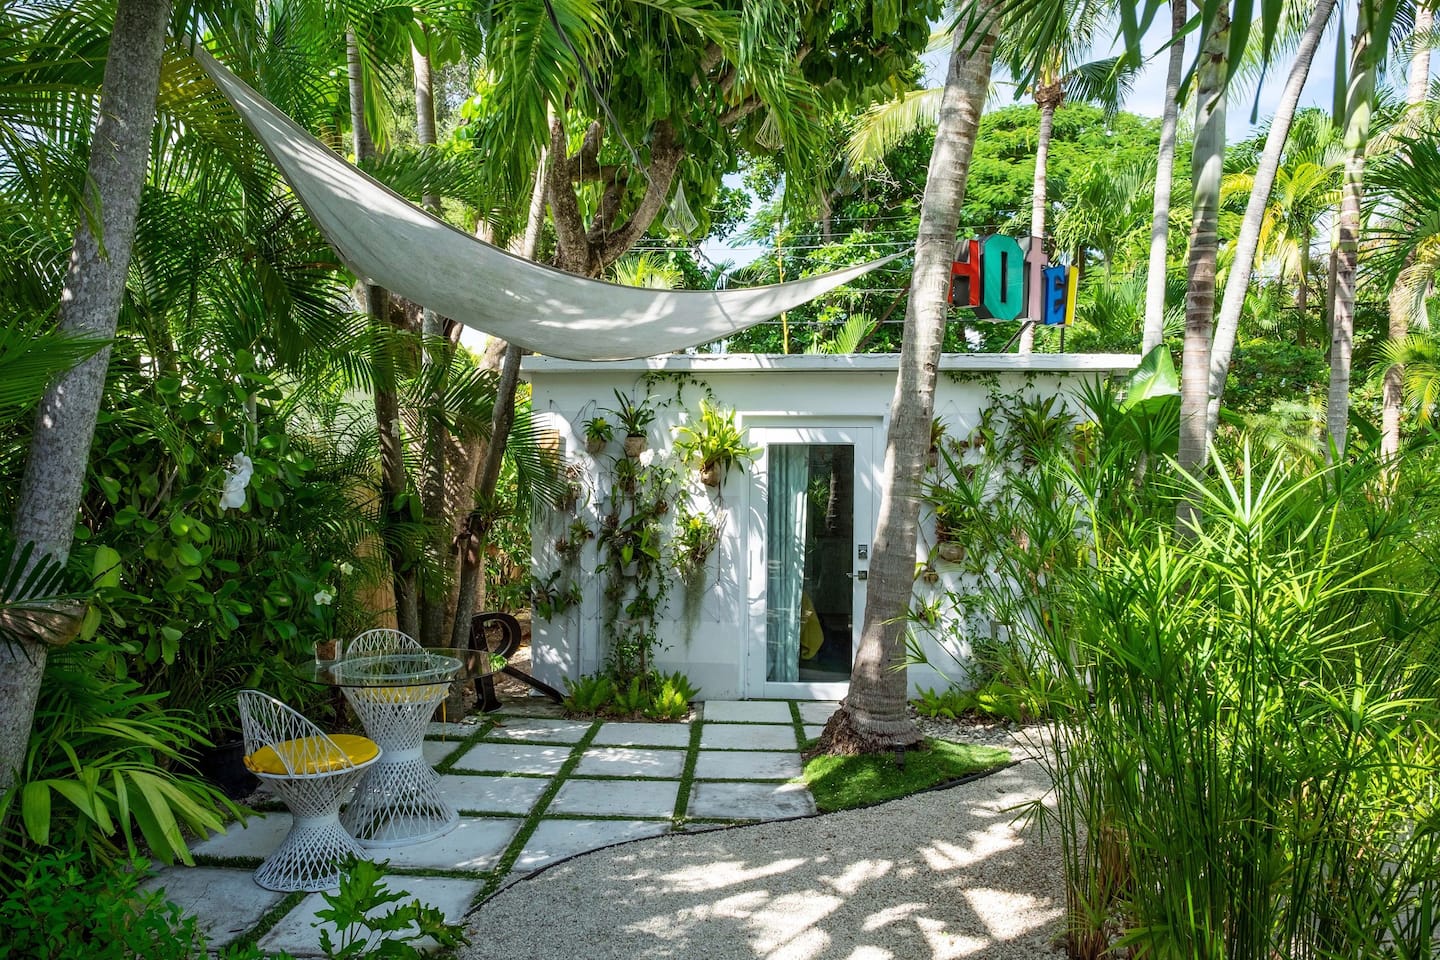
(634, 418)
(949, 528)
(937, 434)
(598, 432)
(714, 444)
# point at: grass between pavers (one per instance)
(798, 723)
(522, 836)
(687, 774)
(843, 783)
(450, 759)
(268, 919)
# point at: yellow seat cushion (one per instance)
(311, 755)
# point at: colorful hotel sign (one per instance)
(1001, 281)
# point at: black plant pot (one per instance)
(224, 766)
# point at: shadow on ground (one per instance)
(933, 876)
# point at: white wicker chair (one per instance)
(310, 771)
(398, 801)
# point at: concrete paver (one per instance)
(817, 711)
(484, 793)
(736, 736)
(750, 801)
(226, 902)
(475, 844)
(643, 735)
(298, 933)
(616, 798)
(538, 729)
(746, 711)
(557, 839)
(513, 758)
(746, 765)
(630, 762)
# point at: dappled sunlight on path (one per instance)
(930, 877)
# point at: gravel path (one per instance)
(929, 877)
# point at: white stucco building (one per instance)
(784, 591)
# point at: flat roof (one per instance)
(831, 363)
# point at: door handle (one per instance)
(859, 575)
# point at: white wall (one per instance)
(766, 391)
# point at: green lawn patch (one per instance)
(841, 783)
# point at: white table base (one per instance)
(398, 800)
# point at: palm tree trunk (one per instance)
(1164, 177)
(1048, 99)
(54, 478)
(1302, 293)
(1207, 166)
(1358, 101)
(502, 418)
(1248, 241)
(873, 718)
(387, 404)
(1393, 394)
(434, 354)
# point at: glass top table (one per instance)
(395, 692)
(418, 667)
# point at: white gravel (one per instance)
(937, 875)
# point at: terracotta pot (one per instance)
(951, 552)
(710, 474)
(635, 445)
(327, 650)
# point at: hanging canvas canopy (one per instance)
(390, 242)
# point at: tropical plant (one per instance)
(633, 415)
(695, 537)
(90, 308)
(589, 695)
(714, 444)
(873, 716)
(113, 757)
(405, 930)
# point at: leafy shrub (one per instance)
(631, 698)
(949, 703)
(54, 907)
(103, 760)
(588, 695)
(364, 931)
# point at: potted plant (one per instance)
(949, 526)
(714, 444)
(634, 418)
(696, 536)
(598, 432)
(937, 434)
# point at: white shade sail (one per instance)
(394, 244)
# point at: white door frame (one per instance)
(865, 437)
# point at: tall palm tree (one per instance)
(873, 718)
(1261, 183)
(1206, 169)
(90, 307)
(1156, 269)
(1061, 71)
(1367, 54)
(1401, 301)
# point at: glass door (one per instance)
(816, 518)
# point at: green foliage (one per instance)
(714, 442)
(949, 703)
(654, 696)
(696, 536)
(366, 931)
(1265, 373)
(843, 783)
(106, 759)
(589, 695)
(599, 430)
(634, 415)
(631, 698)
(55, 907)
